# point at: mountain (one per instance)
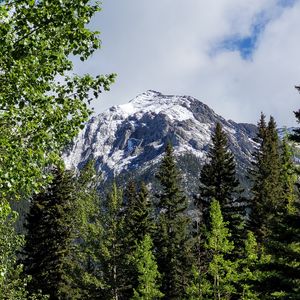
(129, 140)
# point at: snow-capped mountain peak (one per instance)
(131, 137)
(175, 107)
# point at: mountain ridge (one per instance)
(130, 138)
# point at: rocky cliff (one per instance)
(130, 139)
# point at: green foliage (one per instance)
(139, 221)
(49, 237)
(288, 175)
(84, 260)
(267, 175)
(148, 275)
(12, 283)
(296, 136)
(199, 286)
(281, 272)
(112, 248)
(139, 214)
(222, 272)
(172, 237)
(42, 106)
(218, 181)
(248, 272)
(274, 216)
(11, 286)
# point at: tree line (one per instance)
(141, 244)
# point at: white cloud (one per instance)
(166, 45)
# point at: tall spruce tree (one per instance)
(281, 272)
(281, 278)
(49, 237)
(84, 261)
(172, 239)
(288, 176)
(139, 221)
(113, 246)
(267, 184)
(218, 180)
(139, 214)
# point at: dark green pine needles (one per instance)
(49, 237)
(218, 181)
(172, 240)
(139, 222)
(267, 182)
(281, 278)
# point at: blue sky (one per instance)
(238, 57)
(245, 44)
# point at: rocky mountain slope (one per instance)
(129, 140)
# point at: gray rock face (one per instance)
(131, 138)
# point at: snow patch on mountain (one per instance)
(174, 107)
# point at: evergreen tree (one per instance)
(172, 239)
(113, 246)
(281, 278)
(12, 283)
(288, 176)
(48, 238)
(267, 183)
(148, 275)
(247, 269)
(199, 287)
(281, 273)
(139, 214)
(138, 222)
(85, 265)
(218, 181)
(222, 273)
(296, 135)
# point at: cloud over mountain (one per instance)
(242, 57)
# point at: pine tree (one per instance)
(113, 246)
(148, 275)
(222, 273)
(49, 237)
(12, 283)
(296, 135)
(138, 222)
(172, 239)
(85, 265)
(247, 269)
(139, 215)
(267, 184)
(199, 286)
(218, 181)
(281, 273)
(288, 175)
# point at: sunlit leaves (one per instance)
(42, 106)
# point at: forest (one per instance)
(134, 242)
